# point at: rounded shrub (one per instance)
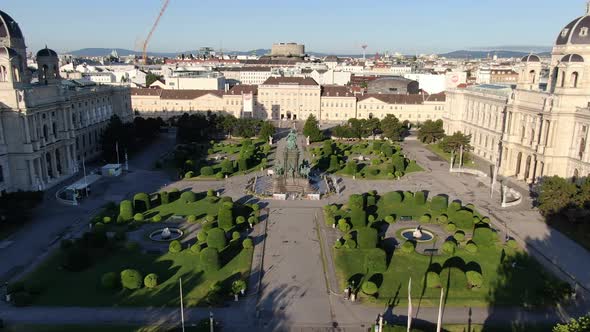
(175, 247)
(189, 175)
(141, 202)
(151, 280)
(252, 220)
(485, 220)
(439, 203)
(196, 248)
(425, 218)
(463, 219)
(110, 280)
(343, 225)
(216, 238)
(443, 218)
(191, 218)
(390, 219)
(157, 218)
(450, 227)
(207, 171)
(484, 236)
(367, 238)
(210, 218)
(408, 247)
(432, 280)
(219, 176)
(449, 247)
(106, 220)
(247, 243)
(369, 288)
(131, 279)
(202, 236)
(392, 198)
(126, 210)
(512, 244)
(474, 279)
(371, 219)
(338, 244)
(210, 193)
(240, 220)
(188, 197)
(471, 247)
(235, 236)
(455, 206)
(209, 258)
(225, 218)
(138, 217)
(459, 236)
(350, 244)
(358, 218)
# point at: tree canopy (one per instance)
(431, 131)
(454, 142)
(311, 129)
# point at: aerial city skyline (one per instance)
(335, 179)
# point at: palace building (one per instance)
(47, 124)
(529, 131)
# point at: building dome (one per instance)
(572, 58)
(46, 52)
(7, 52)
(577, 32)
(8, 27)
(531, 58)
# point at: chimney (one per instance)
(226, 87)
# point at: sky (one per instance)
(328, 26)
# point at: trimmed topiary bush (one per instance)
(138, 217)
(471, 247)
(240, 220)
(425, 218)
(126, 210)
(443, 218)
(408, 247)
(202, 236)
(439, 203)
(343, 225)
(247, 243)
(196, 248)
(456, 206)
(420, 198)
(474, 279)
(485, 220)
(151, 280)
(252, 220)
(225, 218)
(210, 193)
(131, 279)
(449, 247)
(175, 247)
(375, 260)
(367, 238)
(432, 280)
(391, 198)
(207, 171)
(106, 220)
(189, 175)
(356, 201)
(463, 219)
(164, 198)
(484, 236)
(110, 280)
(358, 218)
(390, 219)
(188, 197)
(350, 244)
(369, 288)
(209, 258)
(141, 202)
(512, 244)
(371, 219)
(235, 236)
(459, 236)
(450, 227)
(191, 218)
(371, 200)
(157, 218)
(216, 239)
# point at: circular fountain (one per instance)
(418, 234)
(166, 234)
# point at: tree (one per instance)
(150, 78)
(454, 142)
(131, 279)
(116, 133)
(356, 128)
(312, 130)
(431, 131)
(228, 124)
(370, 127)
(392, 128)
(266, 130)
(582, 324)
(556, 194)
(227, 167)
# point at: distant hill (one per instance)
(91, 52)
(464, 54)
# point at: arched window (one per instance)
(45, 69)
(532, 76)
(3, 75)
(574, 79)
(582, 148)
(563, 79)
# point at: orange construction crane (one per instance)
(147, 40)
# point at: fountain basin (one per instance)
(166, 234)
(410, 234)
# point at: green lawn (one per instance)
(200, 208)
(64, 288)
(435, 148)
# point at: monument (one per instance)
(291, 175)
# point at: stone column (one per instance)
(30, 167)
(45, 167)
(54, 164)
(539, 126)
(40, 171)
(26, 128)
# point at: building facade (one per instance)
(47, 128)
(534, 132)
